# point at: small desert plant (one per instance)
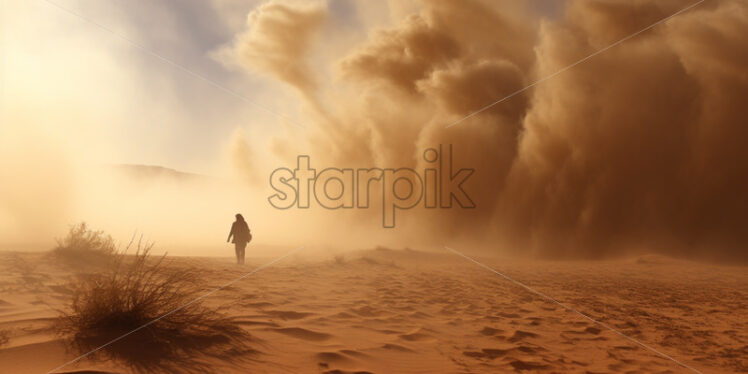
(151, 308)
(85, 245)
(340, 259)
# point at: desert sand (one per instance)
(406, 311)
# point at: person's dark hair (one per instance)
(239, 217)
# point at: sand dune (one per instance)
(386, 311)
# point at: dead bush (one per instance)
(85, 246)
(144, 314)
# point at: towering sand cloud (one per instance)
(640, 147)
(276, 42)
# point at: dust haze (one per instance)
(639, 149)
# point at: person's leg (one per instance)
(237, 249)
(241, 252)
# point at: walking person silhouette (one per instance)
(242, 236)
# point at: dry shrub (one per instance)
(148, 313)
(85, 246)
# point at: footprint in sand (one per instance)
(326, 359)
(519, 335)
(625, 348)
(575, 335)
(588, 330)
(490, 331)
(489, 353)
(492, 353)
(527, 365)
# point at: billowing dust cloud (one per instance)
(641, 148)
(638, 149)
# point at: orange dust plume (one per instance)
(639, 148)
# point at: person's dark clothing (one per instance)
(241, 236)
(239, 248)
(240, 232)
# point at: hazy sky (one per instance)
(120, 102)
(640, 147)
(128, 106)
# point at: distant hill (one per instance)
(152, 173)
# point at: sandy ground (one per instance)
(387, 311)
